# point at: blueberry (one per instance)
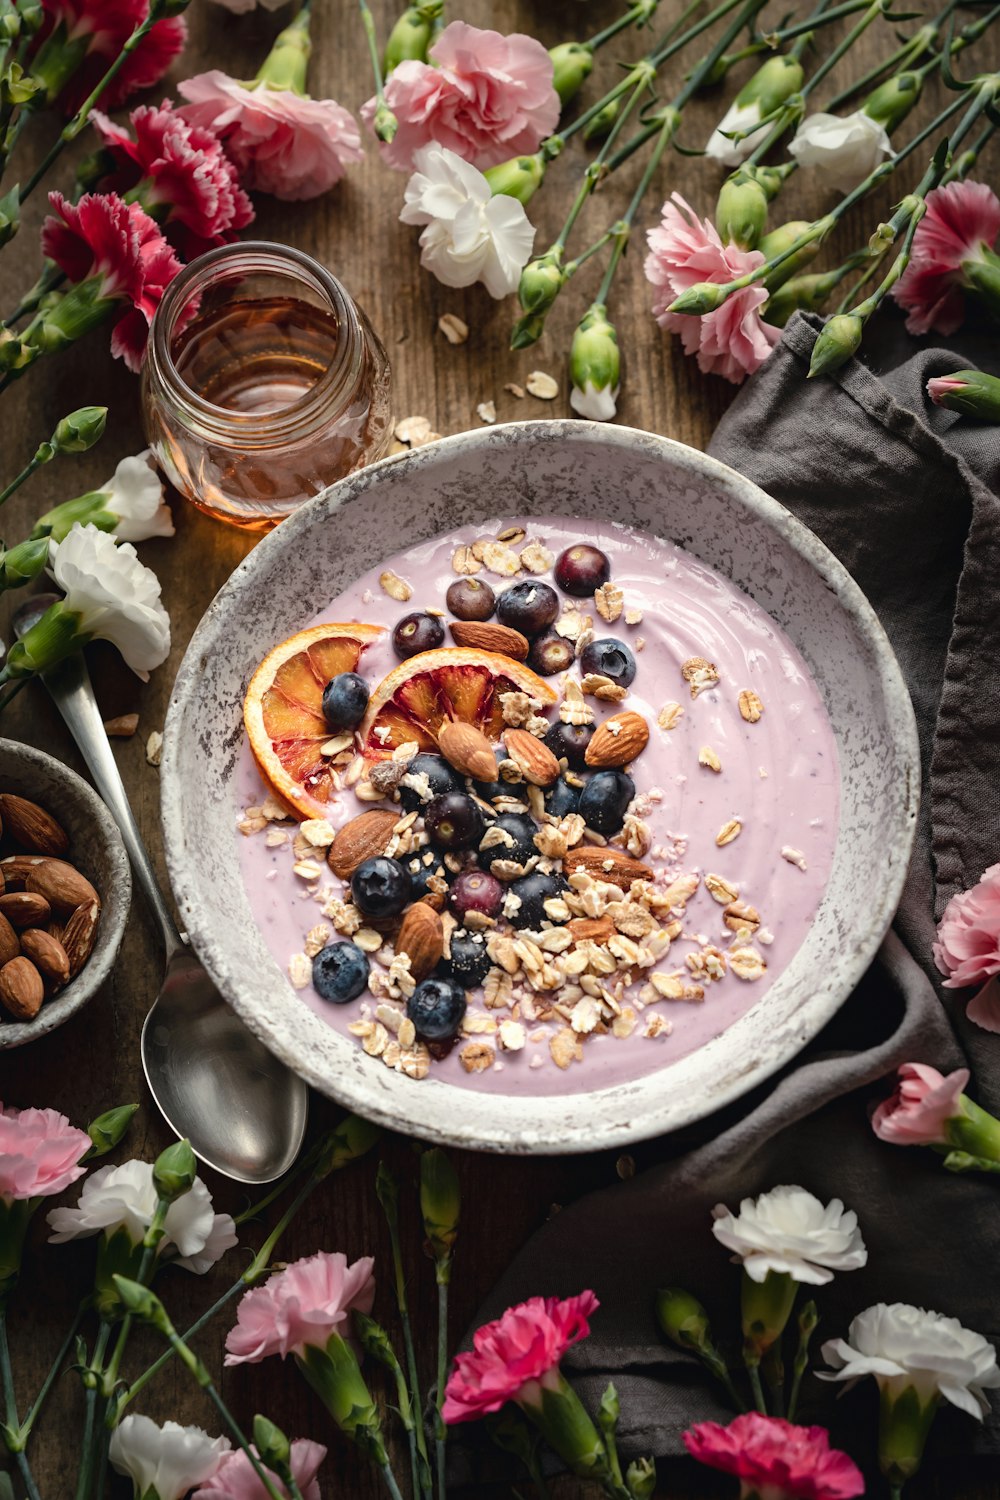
(345, 699)
(534, 890)
(562, 798)
(380, 887)
(611, 659)
(340, 972)
(437, 1008)
(475, 890)
(551, 654)
(522, 830)
(581, 570)
(471, 599)
(421, 865)
(454, 820)
(604, 799)
(469, 962)
(570, 741)
(441, 777)
(529, 607)
(417, 632)
(490, 790)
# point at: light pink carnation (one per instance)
(776, 1458)
(961, 219)
(919, 1109)
(519, 1348)
(684, 250)
(282, 142)
(40, 1153)
(235, 1479)
(968, 940)
(489, 97)
(299, 1306)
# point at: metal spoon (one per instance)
(243, 1111)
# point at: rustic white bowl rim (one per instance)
(554, 1124)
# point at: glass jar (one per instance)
(263, 383)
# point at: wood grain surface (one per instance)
(93, 1061)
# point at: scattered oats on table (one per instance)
(154, 748)
(454, 328)
(542, 385)
(412, 429)
(486, 411)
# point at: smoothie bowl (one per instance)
(544, 789)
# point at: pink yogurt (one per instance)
(779, 777)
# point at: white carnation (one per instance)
(165, 1461)
(135, 495)
(843, 149)
(905, 1346)
(598, 403)
(790, 1232)
(737, 117)
(116, 597)
(469, 235)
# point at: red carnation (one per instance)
(103, 26)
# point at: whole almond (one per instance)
(421, 937)
(25, 908)
(21, 989)
(591, 929)
(17, 867)
(468, 750)
(618, 740)
(533, 759)
(79, 934)
(10, 945)
(48, 956)
(31, 826)
(484, 635)
(61, 884)
(605, 863)
(362, 838)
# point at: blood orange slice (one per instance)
(456, 683)
(283, 710)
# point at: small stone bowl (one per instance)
(97, 851)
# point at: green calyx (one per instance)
(49, 641)
(572, 64)
(595, 359)
(800, 293)
(741, 212)
(518, 178)
(682, 1319)
(287, 63)
(840, 338)
(68, 316)
(440, 1203)
(892, 101)
(766, 1308)
(174, 1171)
(108, 1130)
(558, 1412)
(410, 37)
(23, 563)
(541, 282)
(905, 1419)
(981, 275)
(773, 83)
(974, 394)
(777, 243)
(703, 297)
(85, 510)
(335, 1376)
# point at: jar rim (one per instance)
(249, 257)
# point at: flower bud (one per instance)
(410, 37)
(83, 510)
(142, 1303)
(174, 1171)
(273, 1448)
(10, 215)
(352, 1138)
(385, 123)
(557, 1411)
(109, 1129)
(609, 1411)
(10, 24)
(541, 281)
(682, 1318)
(32, 14)
(741, 212)
(595, 365)
(640, 1479)
(15, 352)
(518, 178)
(766, 1307)
(440, 1202)
(773, 83)
(601, 124)
(527, 330)
(335, 1376)
(23, 563)
(892, 101)
(80, 430)
(840, 338)
(703, 297)
(572, 64)
(780, 240)
(971, 392)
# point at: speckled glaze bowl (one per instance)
(582, 470)
(96, 849)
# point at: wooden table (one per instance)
(93, 1061)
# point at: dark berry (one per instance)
(562, 799)
(439, 775)
(340, 972)
(522, 830)
(581, 570)
(610, 658)
(468, 961)
(475, 890)
(437, 1008)
(604, 799)
(533, 891)
(490, 790)
(345, 699)
(569, 742)
(421, 865)
(551, 654)
(454, 821)
(529, 607)
(417, 632)
(471, 599)
(380, 887)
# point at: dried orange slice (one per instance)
(283, 710)
(456, 683)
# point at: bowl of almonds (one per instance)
(65, 889)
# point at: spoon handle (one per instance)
(71, 691)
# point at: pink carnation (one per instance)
(684, 250)
(521, 1347)
(961, 219)
(235, 1479)
(40, 1153)
(118, 244)
(282, 142)
(299, 1306)
(489, 97)
(968, 936)
(776, 1458)
(921, 1106)
(104, 26)
(179, 168)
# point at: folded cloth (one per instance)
(906, 494)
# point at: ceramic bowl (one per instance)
(582, 470)
(96, 849)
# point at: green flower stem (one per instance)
(375, 1342)
(385, 121)
(201, 1375)
(909, 53)
(872, 269)
(641, 78)
(10, 1409)
(751, 1358)
(386, 1189)
(849, 8)
(114, 1416)
(774, 1370)
(637, 15)
(150, 1244)
(85, 1477)
(966, 160)
(26, 473)
(443, 1277)
(55, 1368)
(808, 1321)
(390, 1483)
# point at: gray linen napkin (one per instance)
(908, 496)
